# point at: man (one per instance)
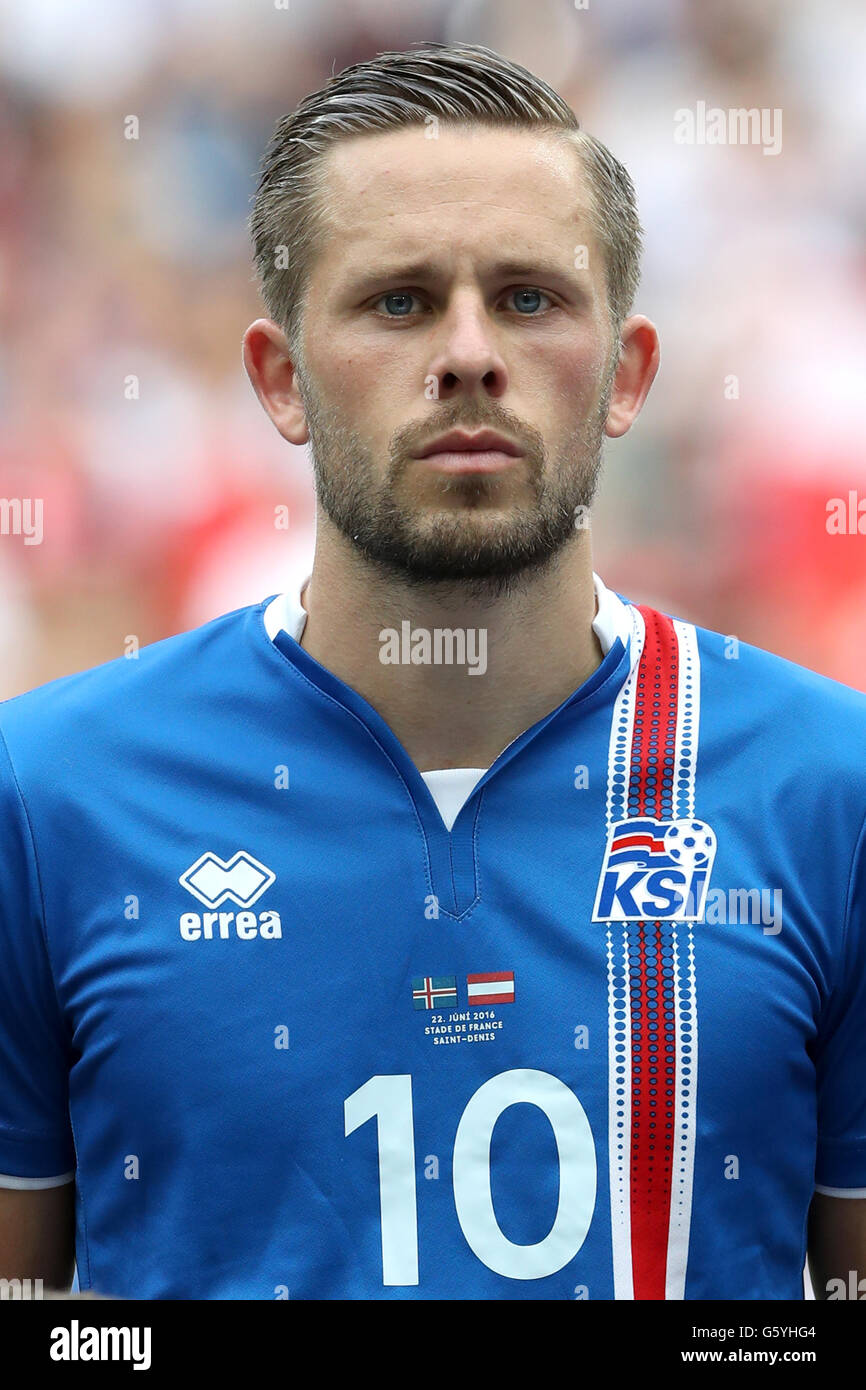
(454, 928)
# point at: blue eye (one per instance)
(398, 304)
(402, 299)
(530, 295)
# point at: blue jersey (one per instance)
(296, 1035)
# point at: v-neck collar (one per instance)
(451, 858)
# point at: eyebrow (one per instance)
(428, 270)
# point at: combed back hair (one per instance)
(459, 84)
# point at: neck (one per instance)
(520, 654)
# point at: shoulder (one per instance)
(145, 684)
(771, 717)
(760, 678)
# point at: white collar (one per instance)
(287, 613)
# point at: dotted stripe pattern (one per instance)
(652, 1034)
(686, 1018)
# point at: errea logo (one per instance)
(241, 880)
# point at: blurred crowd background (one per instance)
(123, 258)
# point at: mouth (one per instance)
(470, 461)
(459, 452)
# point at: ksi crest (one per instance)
(655, 870)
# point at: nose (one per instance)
(467, 359)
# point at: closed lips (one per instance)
(459, 443)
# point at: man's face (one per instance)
(445, 296)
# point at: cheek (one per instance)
(373, 390)
(574, 377)
(341, 381)
(360, 399)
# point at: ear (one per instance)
(638, 364)
(269, 366)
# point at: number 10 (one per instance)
(389, 1099)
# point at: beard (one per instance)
(470, 534)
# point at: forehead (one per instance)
(470, 187)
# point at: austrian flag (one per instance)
(496, 988)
